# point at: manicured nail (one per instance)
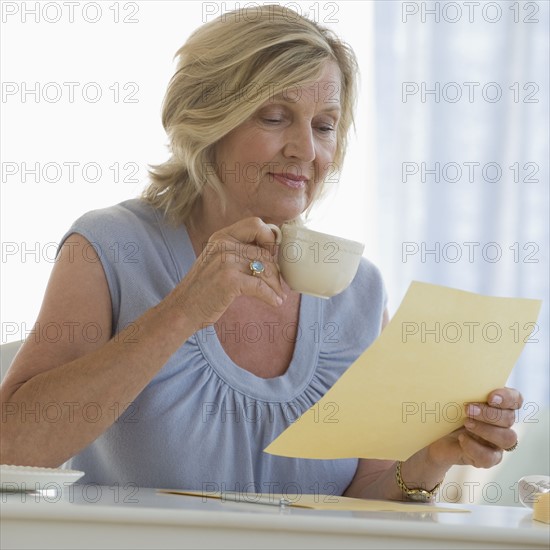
(473, 410)
(496, 400)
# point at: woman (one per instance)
(171, 390)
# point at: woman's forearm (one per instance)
(55, 414)
(419, 471)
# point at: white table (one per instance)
(106, 517)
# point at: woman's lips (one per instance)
(290, 180)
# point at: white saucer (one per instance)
(16, 479)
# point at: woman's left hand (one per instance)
(481, 442)
(486, 433)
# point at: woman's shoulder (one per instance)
(132, 229)
(368, 284)
(130, 214)
(368, 272)
(365, 298)
(127, 222)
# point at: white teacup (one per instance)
(316, 263)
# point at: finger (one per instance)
(251, 230)
(254, 252)
(505, 398)
(227, 250)
(270, 276)
(503, 438)
(260, 288)
(477, 454)
(229, 254)
(491, 415)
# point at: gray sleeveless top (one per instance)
(202, 422)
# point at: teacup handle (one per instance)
(277, 231)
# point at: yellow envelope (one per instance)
(319, 502)
(443, 348)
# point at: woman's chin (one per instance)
(290, 211)
(278, 218)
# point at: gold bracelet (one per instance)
(418, 494)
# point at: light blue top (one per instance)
(202, 422)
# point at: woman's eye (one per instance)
(326, 129)
(272, 120)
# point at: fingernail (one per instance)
(469, 424)
(473, 410)
(279, 300)
(496, 400)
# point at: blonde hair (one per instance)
(226, 70)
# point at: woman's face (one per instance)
(272, 163)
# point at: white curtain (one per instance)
(396, 42)
(461, 136)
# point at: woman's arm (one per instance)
(59, 396)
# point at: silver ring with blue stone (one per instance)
(256, 267)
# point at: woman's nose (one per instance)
(299, 143)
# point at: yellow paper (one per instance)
(319, 502)
(541, 507)
(409, 387)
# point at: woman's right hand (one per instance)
(222, 273)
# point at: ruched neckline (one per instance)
(286, 387)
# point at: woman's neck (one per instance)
(207, 217)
